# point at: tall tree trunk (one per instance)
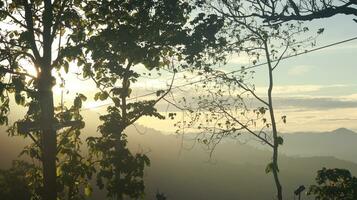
(48, 136)
(46, 83)
(119, 146)
(275, 169)
(118, 150)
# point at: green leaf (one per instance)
(320, 31)
(66, 67)
(77, 102)
(159, 92)
(280, 140)
(97, 95)
(88, 190)
(82, 97)
(4, 120)
(103, 96)
(80, 62)
(262, 110)
(19, 99)
(269, 168)
(284, 119)
(58, 171)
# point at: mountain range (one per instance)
(340, 143)
(183, 169)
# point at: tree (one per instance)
(301, 10)
(155, 34)
(232, 105)
(47, 35)
(334, 184)
(73, 170)
(13, 184)
(30, 30)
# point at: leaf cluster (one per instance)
(334, 184)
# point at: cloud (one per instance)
(351, 97)
(299, 70)
(319, 120)
(340, 119)
(314, 103)
(300, 90)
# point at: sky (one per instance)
(316, 91)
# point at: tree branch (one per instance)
(156, 101)
(246, 127)
(30, 28)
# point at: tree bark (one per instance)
(125, 123)
(46, 82)
(275, 169)
(48, 136)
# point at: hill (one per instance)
(340, 143)
(235, 170)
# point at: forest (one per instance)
(178, 99)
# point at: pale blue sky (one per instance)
(334, 65)
(317, 91)
(327, 67)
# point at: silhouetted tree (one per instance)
(334, 184)
(72, 169)
(13, 185)
(277, 11)
(47, 35)
(224, 110)
(43, 36)
(160, 196)
(155, 34)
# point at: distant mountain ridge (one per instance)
(341, 130)
(236, 171)
(340, 143)
(182, 170)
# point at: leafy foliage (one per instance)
(37, 39)
(122, 171)
(334, 184)
(13, 184)
(123, 35)
(73, 170)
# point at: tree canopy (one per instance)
(106, 39)
(334, 184)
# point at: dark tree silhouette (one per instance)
(155, 34)
(160, 196)
(13, 184)
(224, 110)
(334, 184)
(278, 11)
(72, 170)
(32, 33)
(107, 39)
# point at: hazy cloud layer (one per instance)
(299, 70)
(302, 90)
(314, 103)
